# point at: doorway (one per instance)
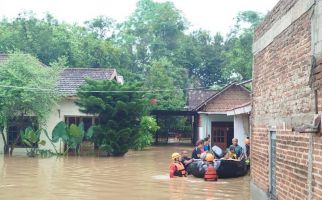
(222, 134)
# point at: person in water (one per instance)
(238, 149)
(206, 145)
(211, 173)
(177, 168)
(185, 159)
(197, 150)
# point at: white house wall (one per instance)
(206, 121)
(65, 108)
(241, 128)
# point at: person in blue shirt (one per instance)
(198, 150)
(206, 145)
(238, 149)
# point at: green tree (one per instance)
(26, 88)
(148, 127)
(164, 78)
(238, 47)
(202, 55)
(152, 31)
(119, 113)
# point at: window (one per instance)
(219, 135)
(19, 124)
(88, 121)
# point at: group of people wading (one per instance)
(204, 153)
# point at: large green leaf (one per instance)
(60, 132)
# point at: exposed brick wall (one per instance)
(229, 99)
(283, 97)
(259, 155)
(317, 167)
(292, 165)
(275, 14)
(281, 76)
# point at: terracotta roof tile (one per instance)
(72, 78)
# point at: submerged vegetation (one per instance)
(154, 49)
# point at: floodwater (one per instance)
(138, 175)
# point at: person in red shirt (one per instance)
(177, 168)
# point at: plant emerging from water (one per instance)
(71, 135)
(148, 127)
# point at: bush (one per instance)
(148, 127)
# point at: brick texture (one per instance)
(283, 97)
(275, 14)
(232, 97)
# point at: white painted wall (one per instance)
(66, 107)
(241, 128)
(207, 119)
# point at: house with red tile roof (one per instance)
(222, 114)
(66, 110)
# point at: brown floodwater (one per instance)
(137, 175)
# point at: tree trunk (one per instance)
(13, 145)
(5, 144)
(3, 130)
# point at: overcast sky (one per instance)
(212, 15)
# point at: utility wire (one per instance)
(101, 91)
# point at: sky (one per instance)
(212, 15)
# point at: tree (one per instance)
(202, 55)
(238, 53)
(152, 32)
(119, 113)
(164, 78)
(27, 88)
(102, 26)
(148, 127)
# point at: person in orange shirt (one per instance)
(177, 168)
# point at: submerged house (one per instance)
(221, 114)
(65, 110)
(286, 148)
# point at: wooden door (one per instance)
(219, 137)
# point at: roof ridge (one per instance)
(90, 68)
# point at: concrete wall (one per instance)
(283, 98)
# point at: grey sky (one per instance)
(212, 15)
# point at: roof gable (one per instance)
(72, 78)
(197, 96)
(228, 98)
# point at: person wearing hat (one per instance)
(176, 167)
(197, 150)
(211, 173)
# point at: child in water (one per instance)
(176, 167)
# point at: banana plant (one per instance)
(31, 138)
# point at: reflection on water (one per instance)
(138, 175)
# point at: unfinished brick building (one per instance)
(286, 102)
